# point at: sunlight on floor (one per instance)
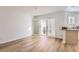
(43, 41)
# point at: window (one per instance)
(71, 20)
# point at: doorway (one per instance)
(39, 27)
(42, 27)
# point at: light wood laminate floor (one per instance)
(40, 44)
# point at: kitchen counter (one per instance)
(72, 29)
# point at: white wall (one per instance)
(14, 25)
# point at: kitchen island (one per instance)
(70, 36)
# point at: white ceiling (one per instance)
(34, 10)
(72, 9)
(48, 9)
